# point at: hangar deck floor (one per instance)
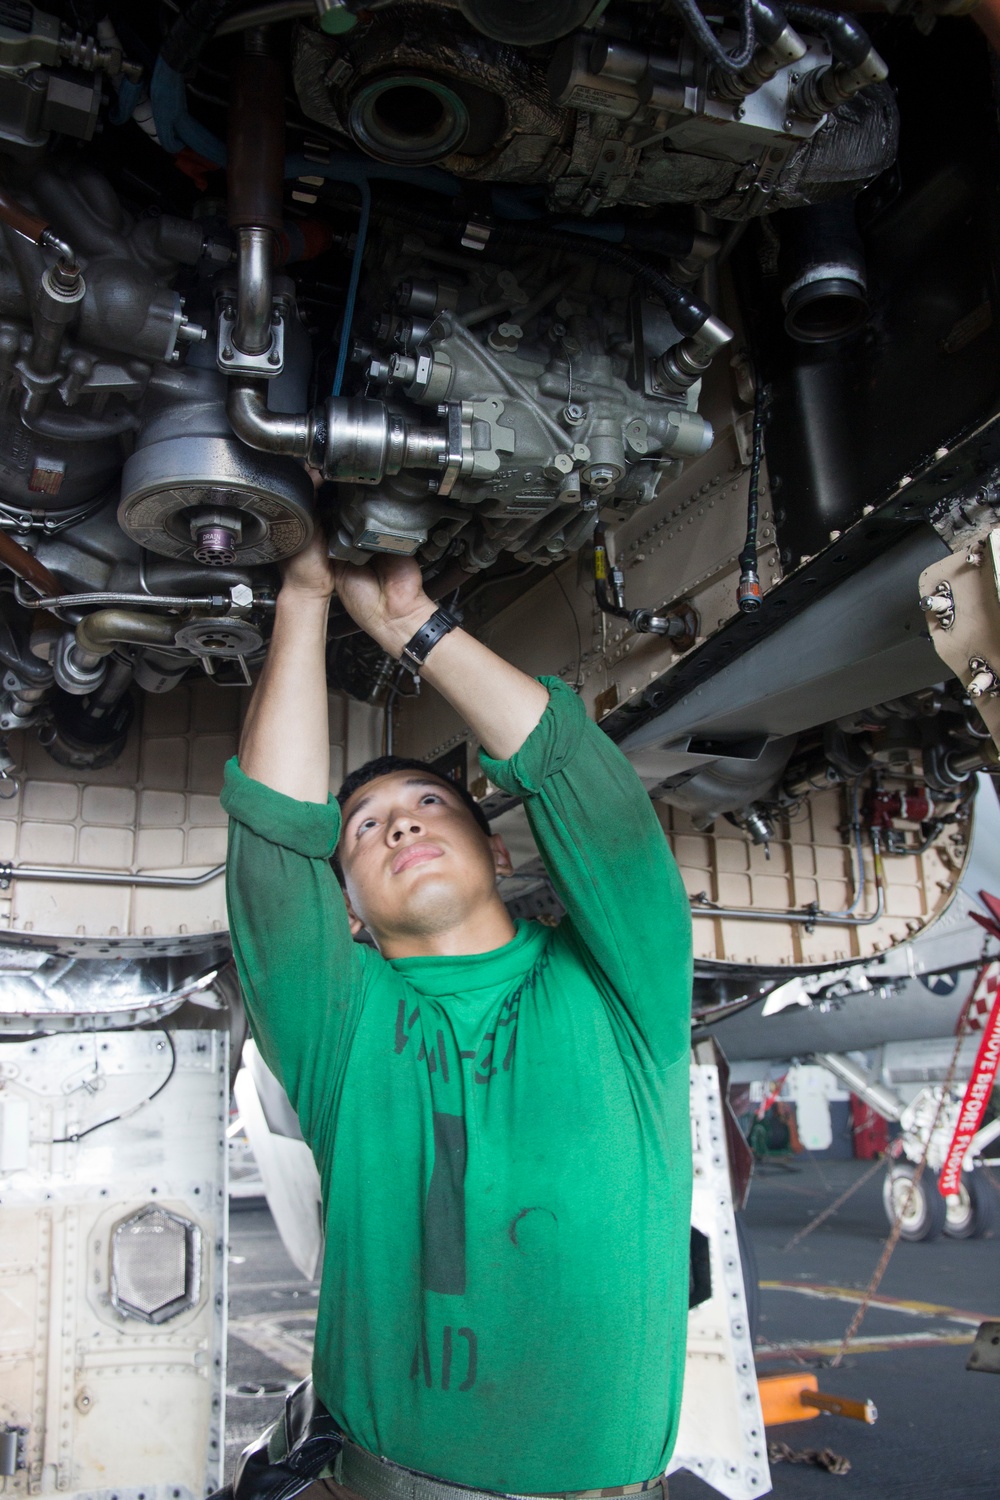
(937, 1430)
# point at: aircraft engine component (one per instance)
(580, 297)
(550, 390)
(193, 491)
(603, 121)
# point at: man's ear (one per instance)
(355, 921)
(502, 862)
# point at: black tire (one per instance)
(926, 1210)
(751, 1275)
(973, 1211)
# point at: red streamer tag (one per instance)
(980, 1085)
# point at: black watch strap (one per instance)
(420, 645)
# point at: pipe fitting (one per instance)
(295, 436)
(779, 46)
(77, 671)
(679, 367)
(363, 442)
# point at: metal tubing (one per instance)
(104, 877)
(30, 226)
(160, 601)
(100, 632)
(28, 568)
(882, 1100)
(804, 917)
(256, 155)
(255, 290)
(271, 432)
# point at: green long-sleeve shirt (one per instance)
(503, 1139)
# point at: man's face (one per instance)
(415, 861)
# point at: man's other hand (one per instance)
(311, 572)
(386, 598)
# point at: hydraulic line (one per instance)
(748, 593)
(609, 590)
(26, 567)
(701, 906)
(706, 39)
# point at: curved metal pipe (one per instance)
(99, 633)
(271, 432)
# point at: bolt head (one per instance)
(241, 595)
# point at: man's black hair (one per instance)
(386, 765)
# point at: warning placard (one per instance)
(980, 1085)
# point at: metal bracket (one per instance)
(940, 605)
(232, 361)
(984, 682)
(450, 458)
(967, 637)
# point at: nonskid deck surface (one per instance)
(935, 1436)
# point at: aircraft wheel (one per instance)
(924, 1210)
(973, 1211)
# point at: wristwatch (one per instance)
(420, 645)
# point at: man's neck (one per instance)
(480, 931)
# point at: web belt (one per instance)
(372, 1478)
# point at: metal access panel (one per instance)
(113, 1262)
(721, 1434)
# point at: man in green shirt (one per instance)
(498, 1110)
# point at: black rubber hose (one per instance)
(769, 21)
(849, 42)
(705, 37)
(687, 312)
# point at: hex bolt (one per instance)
(940, 606)
(984, 680)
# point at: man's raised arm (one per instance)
(285, 742)
(501, 704)
(286, 736)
